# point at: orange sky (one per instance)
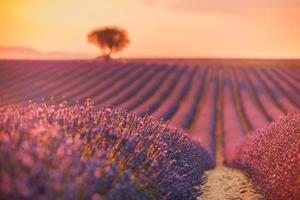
(158, 28)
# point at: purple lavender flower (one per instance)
(86, 152)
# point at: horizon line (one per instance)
(164, 58)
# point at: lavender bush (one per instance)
(85, 152)
(272, 159)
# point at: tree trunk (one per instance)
(108, 55)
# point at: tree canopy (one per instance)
(109, 39)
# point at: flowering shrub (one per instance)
(272, 159)
(85, 152)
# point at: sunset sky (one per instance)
(158, 28)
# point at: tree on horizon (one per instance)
(109, 39)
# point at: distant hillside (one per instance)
(16, 52)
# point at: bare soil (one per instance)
(228, 184)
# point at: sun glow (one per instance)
(155, 29)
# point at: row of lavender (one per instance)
(269, 153)
(86, 152)
(110, 85)
(186, 96)
(204, 100)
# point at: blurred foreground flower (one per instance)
(85, 152)
(272, 159)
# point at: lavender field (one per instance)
(145, 130)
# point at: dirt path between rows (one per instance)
(226, 183)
